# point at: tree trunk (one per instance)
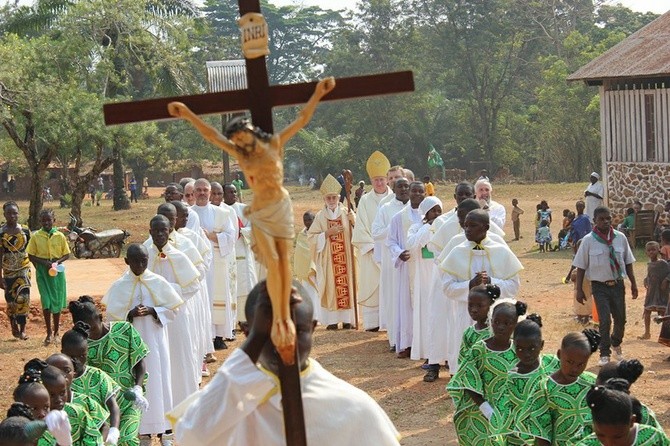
(36, 203)
(121, 200)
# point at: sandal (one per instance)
(644, 336)
(431, 376)
(47, 341)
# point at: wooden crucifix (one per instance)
(260, 155)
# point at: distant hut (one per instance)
(634, 81)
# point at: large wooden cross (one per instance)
(259, 98)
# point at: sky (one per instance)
(656, 6)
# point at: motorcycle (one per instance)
(87, 243)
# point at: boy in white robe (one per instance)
(175, 267)
(380, 229)
(405, 263)
(429, 323)
(149, 302)
(242, 403)
(462, 191)
(478, 260)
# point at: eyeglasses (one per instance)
(188, 195)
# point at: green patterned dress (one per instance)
(514, 396)
(646, 436)
(85, 429)
(557, 412)
(648, 418)
(117, 353)
(470, 337)
(96, 385)
(484, 371)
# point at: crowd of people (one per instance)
(442, 283)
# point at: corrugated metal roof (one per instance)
(644, 54)
(226, 75)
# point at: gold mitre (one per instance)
(378, 165)
(330, 186)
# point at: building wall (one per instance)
(647, 182)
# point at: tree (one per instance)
(299, 37)
(319, 154)
(135, 49)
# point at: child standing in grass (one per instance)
(656, 284)
(48, 246)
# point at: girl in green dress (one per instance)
(91, 381)
(614, 421)
(630, 370)
(556, 412)
(480, 299)
(476, 387)
(532, 367)
(117, 349)
(84, 428)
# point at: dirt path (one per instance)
(421, 411)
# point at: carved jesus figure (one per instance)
(260, 156)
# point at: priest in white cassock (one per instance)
(380, 229)
(152, 305)
(304, 267)
(330, 241)
(369, 258)
(497, 212)
(242, 403)
(175, 192)
(478, 260)
(221, 233)
(439, 240)
(244, 256)
(405, 263)
(429, 307)
(175, 267)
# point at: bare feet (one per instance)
(48, 340)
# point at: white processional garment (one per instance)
(186, 373)
(429, 311)
(245, 260)
(458, 268)
(205, 306)
(380, 228)
(158, 390)
(242, 406)
(368, 257)
(325, 281)
(403, 296)
(215, 219)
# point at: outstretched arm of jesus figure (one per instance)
(180, 110)
(323, 87)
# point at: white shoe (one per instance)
(167, 440)
(205, 372)
(603, 360)
(617, 353)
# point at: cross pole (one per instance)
(259, 98)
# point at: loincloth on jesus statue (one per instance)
(274, 221)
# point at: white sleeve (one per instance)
(320, 240)
(232, 395)
(379, 227)
(418, 236)
(165, 315)
(455, 289)
(226, 238)
(394, 240)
